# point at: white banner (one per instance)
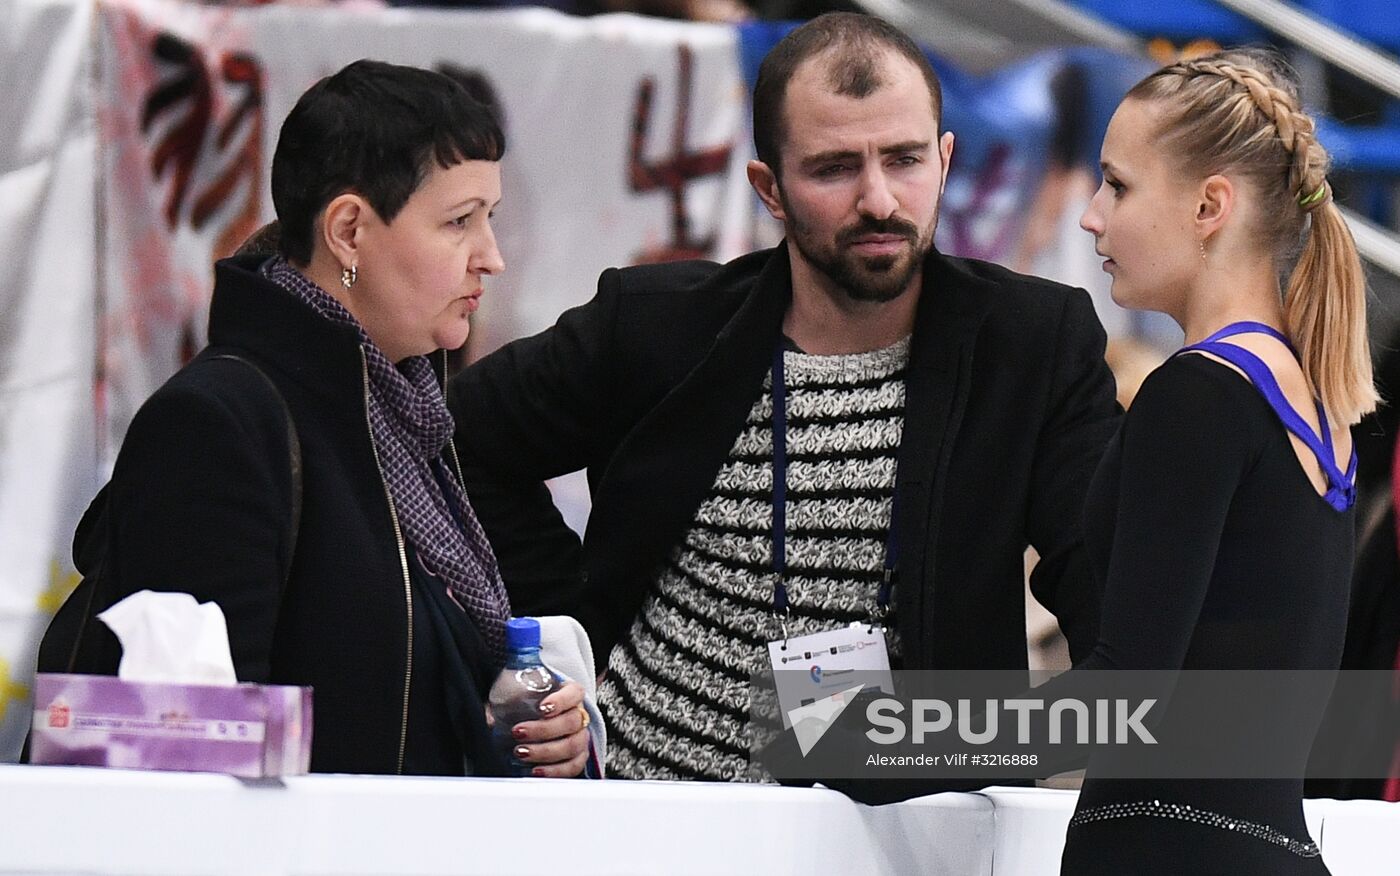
(193, 97)
(47, 246)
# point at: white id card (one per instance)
(820, 665)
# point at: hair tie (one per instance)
(1315, 197)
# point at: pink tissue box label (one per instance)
(245, 730)
(227, 731)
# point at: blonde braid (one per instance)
(1297, 132)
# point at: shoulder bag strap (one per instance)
(294, 454)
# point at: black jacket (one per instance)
(201, 497)
(1009, 406)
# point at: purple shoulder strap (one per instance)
(1341, 493)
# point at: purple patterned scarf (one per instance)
(411, 426)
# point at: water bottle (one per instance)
(519, 689)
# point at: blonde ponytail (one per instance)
(1324, 309)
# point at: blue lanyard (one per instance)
(780, 594)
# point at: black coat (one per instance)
(201, 500)
(1009, 406)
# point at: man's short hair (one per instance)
(856, 46)
(372, 129)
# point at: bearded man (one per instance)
(914, 420)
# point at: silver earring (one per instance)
(349, 275)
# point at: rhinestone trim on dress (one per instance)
(1183, 812)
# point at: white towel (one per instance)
(565, 648)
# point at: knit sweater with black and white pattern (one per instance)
(676, 695)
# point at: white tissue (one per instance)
(171, 638)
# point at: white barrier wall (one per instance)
(193, 823)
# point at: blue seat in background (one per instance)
(1373, 151)
(1181, 20)
(1361, 149)
(1372, 155)
(1375, 21)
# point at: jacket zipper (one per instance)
(403, 564)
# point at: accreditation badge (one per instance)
(815, 667)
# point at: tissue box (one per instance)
(248, 730)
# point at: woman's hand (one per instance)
(557, 744)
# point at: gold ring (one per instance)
(586, 720)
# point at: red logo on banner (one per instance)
(187, 93)
(674, 173)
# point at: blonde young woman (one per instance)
(1221, 519)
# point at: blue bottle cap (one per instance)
(522, 632)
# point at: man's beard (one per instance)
(877, 278)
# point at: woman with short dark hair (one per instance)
(381, 591)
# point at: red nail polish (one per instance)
(537, 772)
(518, 732)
